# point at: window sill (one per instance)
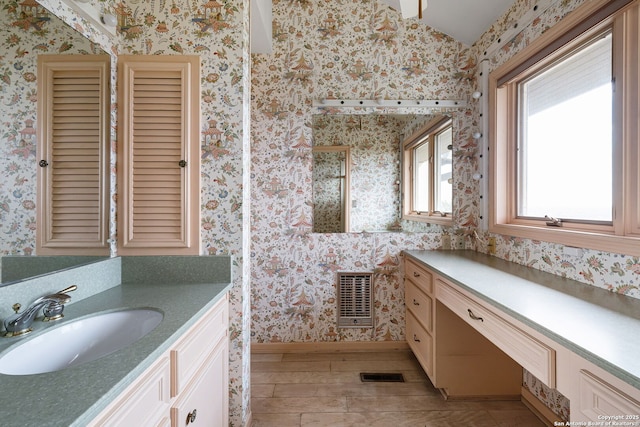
(431, 219)
(628, 245)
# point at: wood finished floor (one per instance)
(324, 389)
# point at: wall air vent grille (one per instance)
(355, 300)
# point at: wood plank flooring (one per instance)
(324, 389)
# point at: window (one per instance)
(564, 136)
(427, 172)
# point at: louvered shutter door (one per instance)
(159, 168)
(74, 117)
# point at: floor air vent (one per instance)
(381, 378)
(355, 300)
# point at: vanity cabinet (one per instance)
(187, 385)
(477, 342)
(459, 361)
(595, 395)
(536, 357)
(204, 400)
(420, 300)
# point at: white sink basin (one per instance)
(79, 341)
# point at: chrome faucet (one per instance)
(52, 305)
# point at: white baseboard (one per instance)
(329, 347)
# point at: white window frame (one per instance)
(623, 235)
(427, 133)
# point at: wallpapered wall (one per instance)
(352, 49)
(218, 32)
(363, 50)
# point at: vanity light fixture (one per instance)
(476, 95)
(390, 103)
(109, 19)
(477, 135)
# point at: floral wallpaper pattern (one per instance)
(215, 30)
(350, 49)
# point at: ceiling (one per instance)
(464, 20)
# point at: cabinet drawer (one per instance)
(145, 403)
(421, 305)
(190, 352)
(421, 343)
(419, 275)
(599, 399)
(204, 402)
(530, 353)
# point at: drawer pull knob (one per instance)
(416, 274)
(415, 338)
(473, 316)
(415, 302)
(191, 416)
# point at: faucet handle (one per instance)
(69, 289)
(53, 310)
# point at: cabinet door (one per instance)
(73, 155)
(196, 345)
(159, 155)
(421, 343)
(145, 403)
(600, 401)
(205, 402)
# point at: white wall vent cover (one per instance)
(355, 300)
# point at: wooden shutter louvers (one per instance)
(73, 115)
(159, 168)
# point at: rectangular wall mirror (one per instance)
(26, 30)
(373, 198)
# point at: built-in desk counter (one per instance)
(580, 339)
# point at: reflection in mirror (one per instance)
(331, 188)
(374, 142)
(15, 268)
(428, 170)
(26, 30)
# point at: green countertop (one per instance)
(75, 396)
(601, 326)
